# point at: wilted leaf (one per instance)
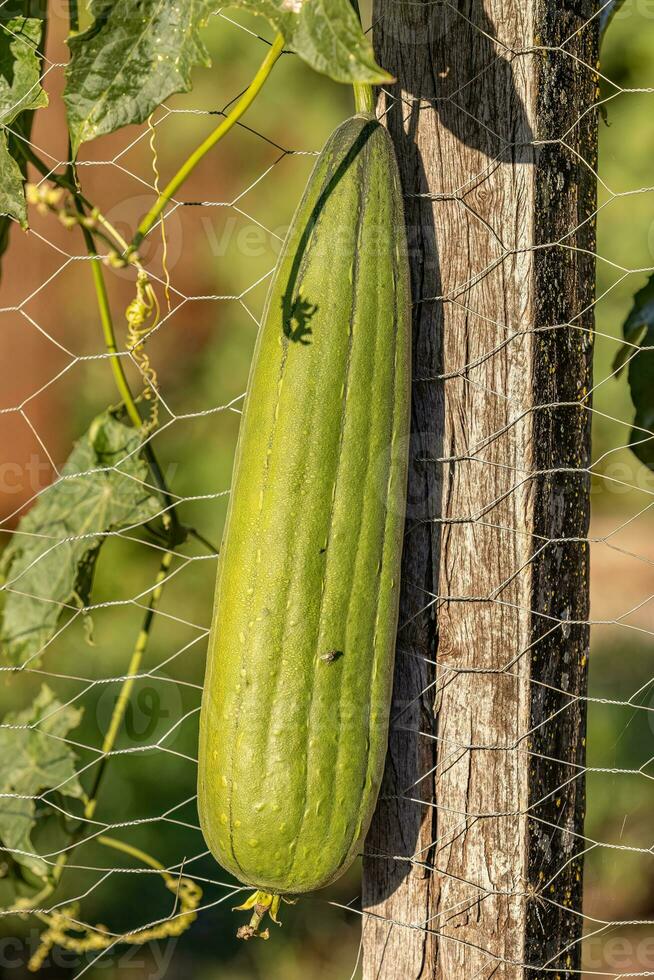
(34, 757)
(325, 33)
(49, 564)
(134, 56)
(639, 330)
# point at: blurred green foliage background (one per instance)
(201, 352)
(619, 884)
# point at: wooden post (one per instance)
(473, 865)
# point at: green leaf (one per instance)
(20, 94)
(133, 57)
(12, 194)
(48, 566)
(20, 68)
(326, 34)
(34, 758)
(639, 332)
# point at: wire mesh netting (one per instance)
(101, 849)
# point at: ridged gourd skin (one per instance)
(295, 710)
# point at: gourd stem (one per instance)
(228, 123)
(363, 97)
(364, 100)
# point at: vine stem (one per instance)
(112, 842)
(109, 334)
(228, 123)
(135, 852)
(120, 377)
(176, 534)
(127, 687)
(106, 231)
(115, 723)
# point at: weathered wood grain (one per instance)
(469, 868)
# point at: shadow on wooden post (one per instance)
(473, 862)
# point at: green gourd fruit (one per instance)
(296, 702)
